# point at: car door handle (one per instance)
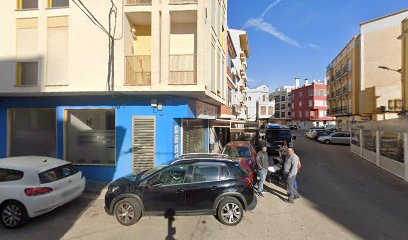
(179, 191)
(214, 188)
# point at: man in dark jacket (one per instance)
(262, 162)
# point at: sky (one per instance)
(299, 38)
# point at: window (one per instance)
(283, 114)
(289, 113)
(263, 110)
(300, 103)
(90, 136)
(310, 103)
(283, 98)
(27, 51)
(310, 92)
(270, 110)
(392, 146)
(27, 4)
(321, 92)
(58, 173)
(33, 132)
(369, 140)
(322, 114)
(225, 174)
(283, 106)
(249, 98)
(170, 176)
(300, 114)
(233, 151)
(58, 3)
(306, 113)
(206, 174)
(8, 175)
(27, 73)
(264, 98)
(57, 51)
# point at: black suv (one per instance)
(187, 187)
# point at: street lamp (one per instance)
(391, 69)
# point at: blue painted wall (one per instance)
(175, 108)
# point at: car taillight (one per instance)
(37, 191)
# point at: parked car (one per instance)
(187, 187)
(321, 134)
(311, 133)
(32, 186)
(275, 135)
(244, 153)
(337, 138)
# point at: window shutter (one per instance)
(144, 143)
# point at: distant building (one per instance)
(344, 84)
(258, 103)
(404, 68)
(309, 105)
(283, 104)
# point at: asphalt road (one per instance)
(343, 197)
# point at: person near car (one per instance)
(262, 163)
(291, 169)
(283, 150)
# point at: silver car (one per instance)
(337, 138)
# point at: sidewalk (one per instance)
(95, 189)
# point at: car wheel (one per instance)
(230, 211)
(327, 141)
(127, 211)
(13, 214)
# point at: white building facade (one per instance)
(260, 106)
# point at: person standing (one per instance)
(291, 169)
(283, 150)
(262, 163)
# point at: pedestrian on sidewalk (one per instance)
(262, 163)
(291, 169)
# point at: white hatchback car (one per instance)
(31, 186)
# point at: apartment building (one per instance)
(344, 84)
(283, 104)
(259, 104)
(237, 83)
(240, 65)
(110, 104)
(310, 105)
(380, 63)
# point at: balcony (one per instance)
(138, 70)
(182, 1)
(183, 69)
(340, 111)
(138, 2)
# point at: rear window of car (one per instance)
(8, 175)
(57, 173)
(237, 151)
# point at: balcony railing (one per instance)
(138, 2)
(138, 70)
(340, 110)
(183, 69)
(182, 1)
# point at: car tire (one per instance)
(230, 211)
(127, 211)
(13, 214)
(327, 141)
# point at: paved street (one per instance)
(343, 197)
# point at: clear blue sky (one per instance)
(299, 38)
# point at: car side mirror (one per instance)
(294, 138)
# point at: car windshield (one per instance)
(237, 151)
(146, 173)
(278, 135)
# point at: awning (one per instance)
(397, 125)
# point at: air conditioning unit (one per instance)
(383, 109)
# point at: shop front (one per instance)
(107, 137)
